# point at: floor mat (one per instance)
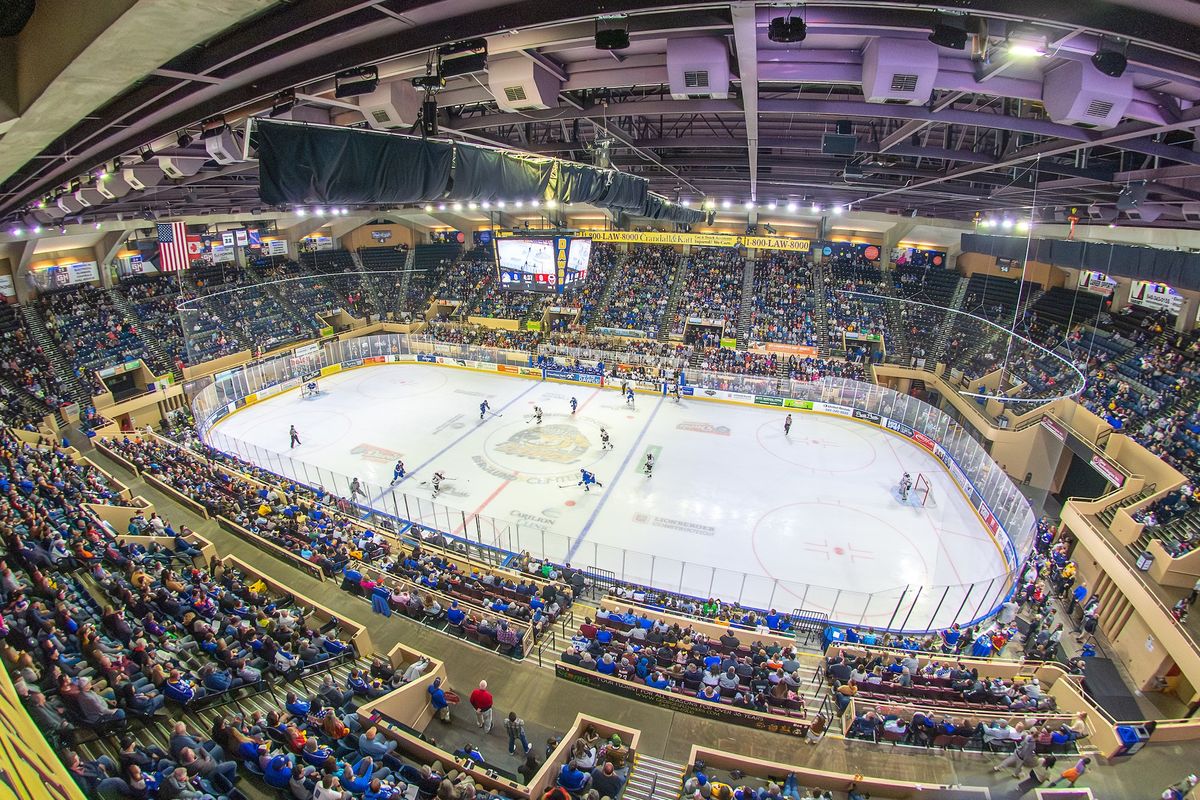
(1109, 690)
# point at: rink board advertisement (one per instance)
(680, 703)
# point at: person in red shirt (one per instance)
(481, 701)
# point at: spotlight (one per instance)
(685, 202)
(1023, 225)
(300, 212)
(710, 204)
(792, 207)
(499, 204)
(551, 203)
(535, 203)
(726, 204)
(15, 231)
(1006, 223)
(787, 30)
(472, 205)
(428, 207)
(749, 204)
(772, 205)
(441, 206)
(1110, 62)
(345, 211)
(816, 207)
(320, 212)
(519, 203)
(98, 224)
(1026, 46)
(949, 36)
(837, 209)
(184, 139)
(354, 82)
(282, 103)
(486, 204)
(37, 228)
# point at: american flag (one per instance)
(172, 246)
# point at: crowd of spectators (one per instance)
(478, 335)
(784, 299)
(91, 331)
(641, 290)
(24, 366)
(153, 299)
(713, 287)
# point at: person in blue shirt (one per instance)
(314, 754)
(296, 706)
(657, 681)
(869, 638)
(586, 480)
(180, 690)
(437, 698)
(278, 771)
(1078, 595)
(710, 694)
(773, 619)
(455, 615)
(606, 665)
(603, 635)
(357, 778)
(852, 636)
(572, 779)
(950, 638)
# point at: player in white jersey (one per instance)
(537, 415)
(605, 442)
(648, 467)
(905, 486)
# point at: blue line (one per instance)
(443, 451)
(629, 456)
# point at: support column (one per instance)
(1186, 320)
(892, 237)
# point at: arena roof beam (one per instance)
(88, 75)
(745, 43)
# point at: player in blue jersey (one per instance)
(484, 408)
(398, 471)
(587, 479)
(574, 405)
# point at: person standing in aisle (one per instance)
(482, 701)
(515, 727)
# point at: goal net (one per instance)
(310, 389)
(922, 491)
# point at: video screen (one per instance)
(527, 264)
(579, 251)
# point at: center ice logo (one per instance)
(562, 444)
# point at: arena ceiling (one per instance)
(991, 132)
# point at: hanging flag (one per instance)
(240, 237)
(172, 246)
(195, 248)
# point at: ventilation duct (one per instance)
(698, 67)
(177, 167)
(518, 84)
(1076, 93)
(142, 177)
(899, 71)
(114, 186)
(88, 197)
(224, 147)
(392, 105)
(70, 204)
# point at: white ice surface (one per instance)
(734, 509)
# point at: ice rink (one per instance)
(734, 508)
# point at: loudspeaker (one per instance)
(224, 147)
(429, 117)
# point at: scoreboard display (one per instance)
(546, 264)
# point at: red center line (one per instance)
(458, 531)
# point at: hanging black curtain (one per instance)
(305, 164)
(481, 173)
(624, 191)
(1178, 269)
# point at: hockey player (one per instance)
(294, 436)
(787, 425)
(537, 415)
(586, 479)
(624, 387)
(605, 443)
(574, 405)
(484, 407)
(905, 487)
(675, 392)
(648, 467)
(436, 481)
(356, 490)
(629, 397)
(398, 471)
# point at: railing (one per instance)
(910, 607)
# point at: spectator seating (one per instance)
(91, 331)
(641, 290)
(713, 287)
(25, 371)
(782, 307)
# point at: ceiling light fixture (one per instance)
(792, 207)
(1109, 61)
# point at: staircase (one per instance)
(820, 311)
(161, 363)
(743, 320)
(1032, 296)
(406, 279)
(59, 362)
(667, 323)
(609, 288)
(943, 333)
(897, 342)
(367, 281)
(653, 779)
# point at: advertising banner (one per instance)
(834, 408)
(700, 240)
(923, 440)
(1110, 473)
(768, 401)
(867, 415)
(1056, 430)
